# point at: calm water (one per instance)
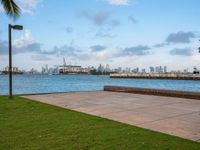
(23, 84)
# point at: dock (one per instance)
(169, 76)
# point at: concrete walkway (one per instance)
(175, 116)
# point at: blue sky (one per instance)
(126, 33)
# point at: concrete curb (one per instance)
(157, 92)
(27, 94)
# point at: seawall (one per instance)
(157, 76)
(156, 92)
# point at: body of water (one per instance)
(26, 84)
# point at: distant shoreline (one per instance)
(164, 76)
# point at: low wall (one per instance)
(157, 76)
(158, 92)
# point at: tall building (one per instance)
(143, 70)
(185, 71)
(46, 68)
(100, 68)
(118, 70)
(159, 69)
(152, 70)
(127, 70)
(107, 69)
(165, 69)
(33, 71)
(136, 70)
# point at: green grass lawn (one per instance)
(29, 125)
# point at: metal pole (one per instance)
(10, 59)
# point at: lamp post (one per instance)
(10, 27)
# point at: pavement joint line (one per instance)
(125, 110)
(170, 117)
(135, 109)
(102, 115)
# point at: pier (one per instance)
(170, 76)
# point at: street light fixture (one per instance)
(17, 27)
(10, 27)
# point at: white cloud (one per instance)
(28, 6)
(118, 2)
(24, 40)
(29, 2)
(101, 55)
(100, 18)
(1, 9)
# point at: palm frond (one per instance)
(11, 8)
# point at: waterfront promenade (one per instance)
(174, 116)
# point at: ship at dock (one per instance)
(72, 69)
(15, 70)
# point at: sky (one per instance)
(121, 33)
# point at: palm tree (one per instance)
(11, 8)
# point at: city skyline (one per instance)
(126, 33)
(46, 69)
